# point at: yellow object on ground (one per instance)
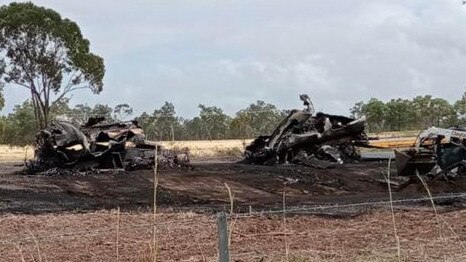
(394, 142)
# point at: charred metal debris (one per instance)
(98, 145)
(436, 151)
(320, 140)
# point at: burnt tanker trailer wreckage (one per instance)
(319, 140)
(99, 145)
(304, 138)
(323, 140)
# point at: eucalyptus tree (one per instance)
(46, 54)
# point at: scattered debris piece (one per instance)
(98, 145)
(320, 141)
(436, 151)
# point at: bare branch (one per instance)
(65, 92)
(70, 80)
(20, 84)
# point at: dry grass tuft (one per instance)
(397, 238)
(287, 250)
(117, 244)
(154, 248)
(232, 221)
(20, 251)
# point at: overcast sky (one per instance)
(231, 53)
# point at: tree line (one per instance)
(259, 118)
(418, 113)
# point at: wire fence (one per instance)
(10, 239)
(273, 233)
(256, 228)
(304, 210)
(58, 236)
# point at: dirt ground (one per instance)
(189, 236)
(74, 218)
(203, 187)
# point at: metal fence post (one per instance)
(223, 248)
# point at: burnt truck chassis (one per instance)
(436, 151)
(319, 141)
(99, 145)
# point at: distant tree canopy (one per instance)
(162, 124)
(122, 111)
(18, 127)
(47, 54)
(81, 112)
(259, 118)
(419, 113)
(211, 123)
(460, 106)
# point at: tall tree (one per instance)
(46, 54)
(18, 126)
(375, 111)
(102, 110)
(214, 122)
(194, 129)
(356, 110)
(147, 122)
(259, 118)
(81, 113)
(399, 114)
(167, 124)
(433, 112)
(460, 105)
(121, 111)
(460, 108)
(163, 124)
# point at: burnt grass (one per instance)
(201, 188)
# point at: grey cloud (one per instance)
(231, 53)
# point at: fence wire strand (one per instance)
(303, 210)
(361, 204)
(86, 233)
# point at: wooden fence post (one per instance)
(223, 247)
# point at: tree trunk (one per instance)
(37, 112)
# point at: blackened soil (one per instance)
(204, 188)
